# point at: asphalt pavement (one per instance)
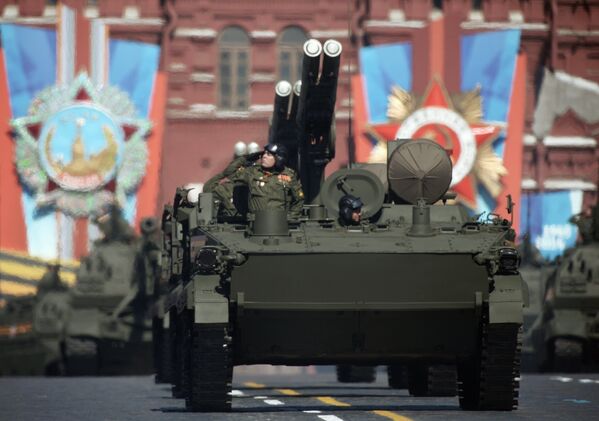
(284, 396)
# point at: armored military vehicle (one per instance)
(162, 334)
(535, 271)
(109, 328)
(31, 329)
(415, 282)
(566, 334)
(20, 351)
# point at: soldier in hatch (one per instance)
(270, 183)
(114, 226)
(221, 185)
(350, 210)
(50, 281)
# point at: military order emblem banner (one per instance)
(471, 124)
(74, 144)
(80, 147)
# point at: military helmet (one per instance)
(253, 147)
(348, 204)
(279, 152)
(240, 149)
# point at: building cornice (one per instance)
(569, 184)
(529, 140)
(384, 24)
(569, 142)
(198, 33)
(330, 33)
(525, 26)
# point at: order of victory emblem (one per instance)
(455, 122)
(80, 147)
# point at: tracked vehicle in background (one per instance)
(32, 332)
(416, 283)
(566, 333)
(109, 328)
(21, 352)
(534, 270)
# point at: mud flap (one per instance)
(209, 305)
(506, 300)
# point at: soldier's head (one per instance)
(274, 156)
(253, 147)
(240, 149)
(53, 267)
(350, 210)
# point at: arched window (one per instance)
(291, 44)
(234, 64)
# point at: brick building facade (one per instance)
(561, 35)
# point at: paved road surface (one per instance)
(306, 397)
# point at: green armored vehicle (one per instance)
(109, 327)
(535, 271)
(31, 329)
(566, 334)
(407, 281)
(21, 353)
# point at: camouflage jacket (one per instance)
(222, 187)
(272, 189)
(267, 189)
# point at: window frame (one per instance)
(235, 49)
(296, 53)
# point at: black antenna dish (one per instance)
(418, 169)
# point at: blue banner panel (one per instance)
(544, 216)
(133, 67)
(489, 60)
(383, 67)
(30, 57)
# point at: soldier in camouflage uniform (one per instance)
(271, 184)
(221, 185)
(50, 281)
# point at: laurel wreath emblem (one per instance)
(28, 161)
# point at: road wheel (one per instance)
(81, 357)
(177, 341)
(166, 356)
(567, 355)
(490, 380)
(397, 376)
(418, 379)
(210, 373)
(347, 373)
(157, 344)
(442, 380)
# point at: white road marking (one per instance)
(562, 379)
(236, 393)
(330, 418)
(260, 397)
(586, 381)
(312, 411)
(274, 402)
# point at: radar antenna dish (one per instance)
(419, 169)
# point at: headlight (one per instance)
(509, 261)
(207, 260)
